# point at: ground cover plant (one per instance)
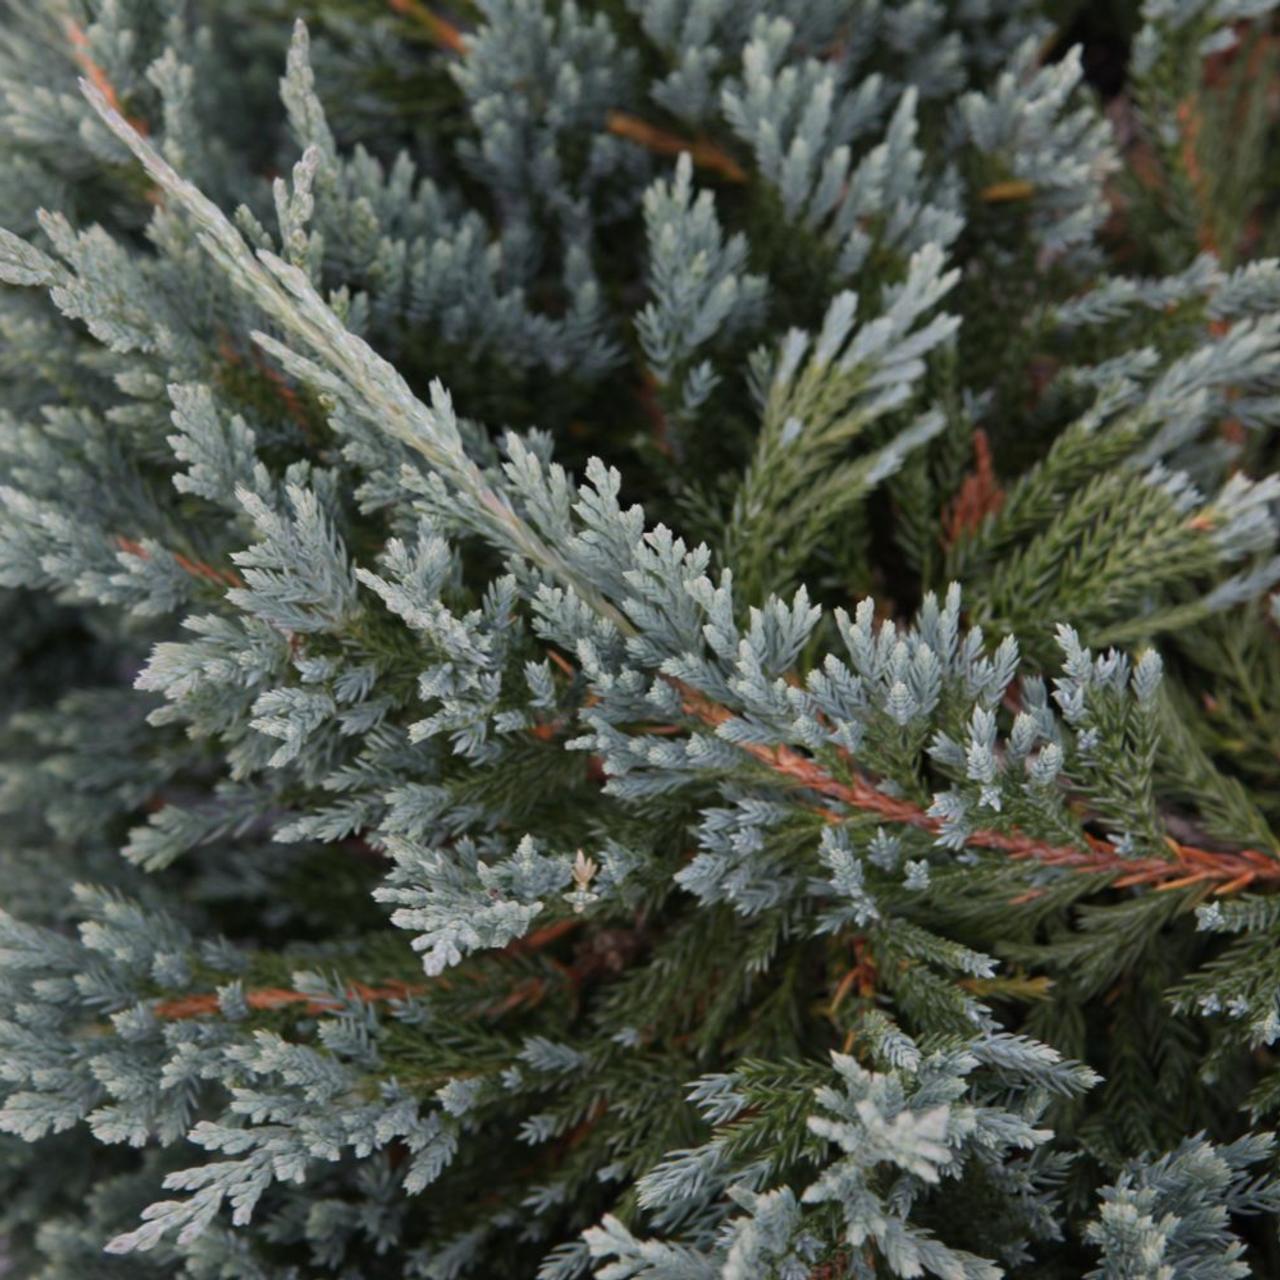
(640, 639)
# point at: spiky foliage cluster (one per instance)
(639, 640)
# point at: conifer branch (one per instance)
(268, 999)
(980, 495)
(656, 822)
(196, 568)
(1229, 873)
(1224, 872)
(705, 154)
(622, 124)
(445, 33)
(96, 76)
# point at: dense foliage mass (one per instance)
(639, 639)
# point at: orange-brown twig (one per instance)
(441, 30)
(287, 396)
(581, 1131)
(1188, 115)
(703, 153)
(661, 433)
(861, 975)
(1190, 120)
(526, 994)
(980, 494)
(1007, 192)
(838, 1267)
(96, 75)
(1221, 872)
(196, 568)
(562, 662)
(543, 937)
(621, 124)
(267, 998)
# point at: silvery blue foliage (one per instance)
(414, 253)
(701, 294)
(1170, 1216)
(880, 1141)
(803, 123)
(821, 393)
(144, 1083)
(616, 887)
(1043, 135)
(455, 901)
(525, 52)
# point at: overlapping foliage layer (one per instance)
(639, 640)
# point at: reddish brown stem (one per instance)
(621, 124)
(196, 568)
(704, 154)
(980, 494)
(543, 937)
(288, 397)
(441, 30)
(266, 998)
(1223, 872)
(1005, 192)
(97, 76)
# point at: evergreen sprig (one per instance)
(643, 641)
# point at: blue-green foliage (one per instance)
(467, 812)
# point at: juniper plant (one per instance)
(641, 641)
